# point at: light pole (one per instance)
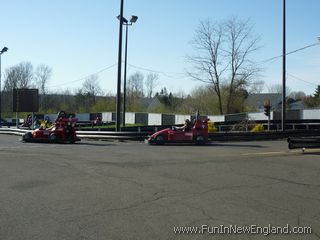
(125, 22)
(1, 52)
(118, 102)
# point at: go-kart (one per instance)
(198, 134)
(62, 131)
(304, 142)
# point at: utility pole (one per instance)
(283, 122)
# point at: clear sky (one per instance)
(77, 38)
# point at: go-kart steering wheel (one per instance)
(62, 113)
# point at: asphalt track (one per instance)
(130, 190)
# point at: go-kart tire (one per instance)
(53, 137)
(159, 140)
(200, 140)
(27, 136)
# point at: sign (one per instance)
(25, 100)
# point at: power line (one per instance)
(182, 75)
(167, 74)
(288, 53)
(83, 78)
(113, 65)
(301, 80)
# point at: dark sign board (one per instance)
(25, 100)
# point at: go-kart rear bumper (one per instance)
(304, 142)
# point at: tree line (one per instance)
(141, 94)
(222, 60)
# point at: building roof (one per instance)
(258, 100)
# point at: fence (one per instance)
(172, 119)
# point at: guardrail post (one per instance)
(139, 129)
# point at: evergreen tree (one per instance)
(317, 92)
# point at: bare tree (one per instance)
(135, 85)
(223, 51)
(151, 83)
(277, 88)
(242, 44)
(135, 92)
(297, 95)
(19, 76)
(42, 75)
(91, 87)
(207, 44)
(256, 87)
(85, 97)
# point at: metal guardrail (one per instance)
(13, 131)
(217, 136)
(113, 135)
(89, 134)
(267, 135)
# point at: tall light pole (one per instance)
(125, 22)
(1, 52)
(118, 102)
(283, 122)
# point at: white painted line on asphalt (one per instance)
(262, 153)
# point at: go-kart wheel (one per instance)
(53, 136)
(200, 140)
(27, 136)
(159, 140)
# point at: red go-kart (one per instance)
(198, 134)
(63, 131)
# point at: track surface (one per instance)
(130, 190)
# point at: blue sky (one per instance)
(77, 38)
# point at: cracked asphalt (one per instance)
(130, 190)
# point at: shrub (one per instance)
(211, 127)
(257, 128)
